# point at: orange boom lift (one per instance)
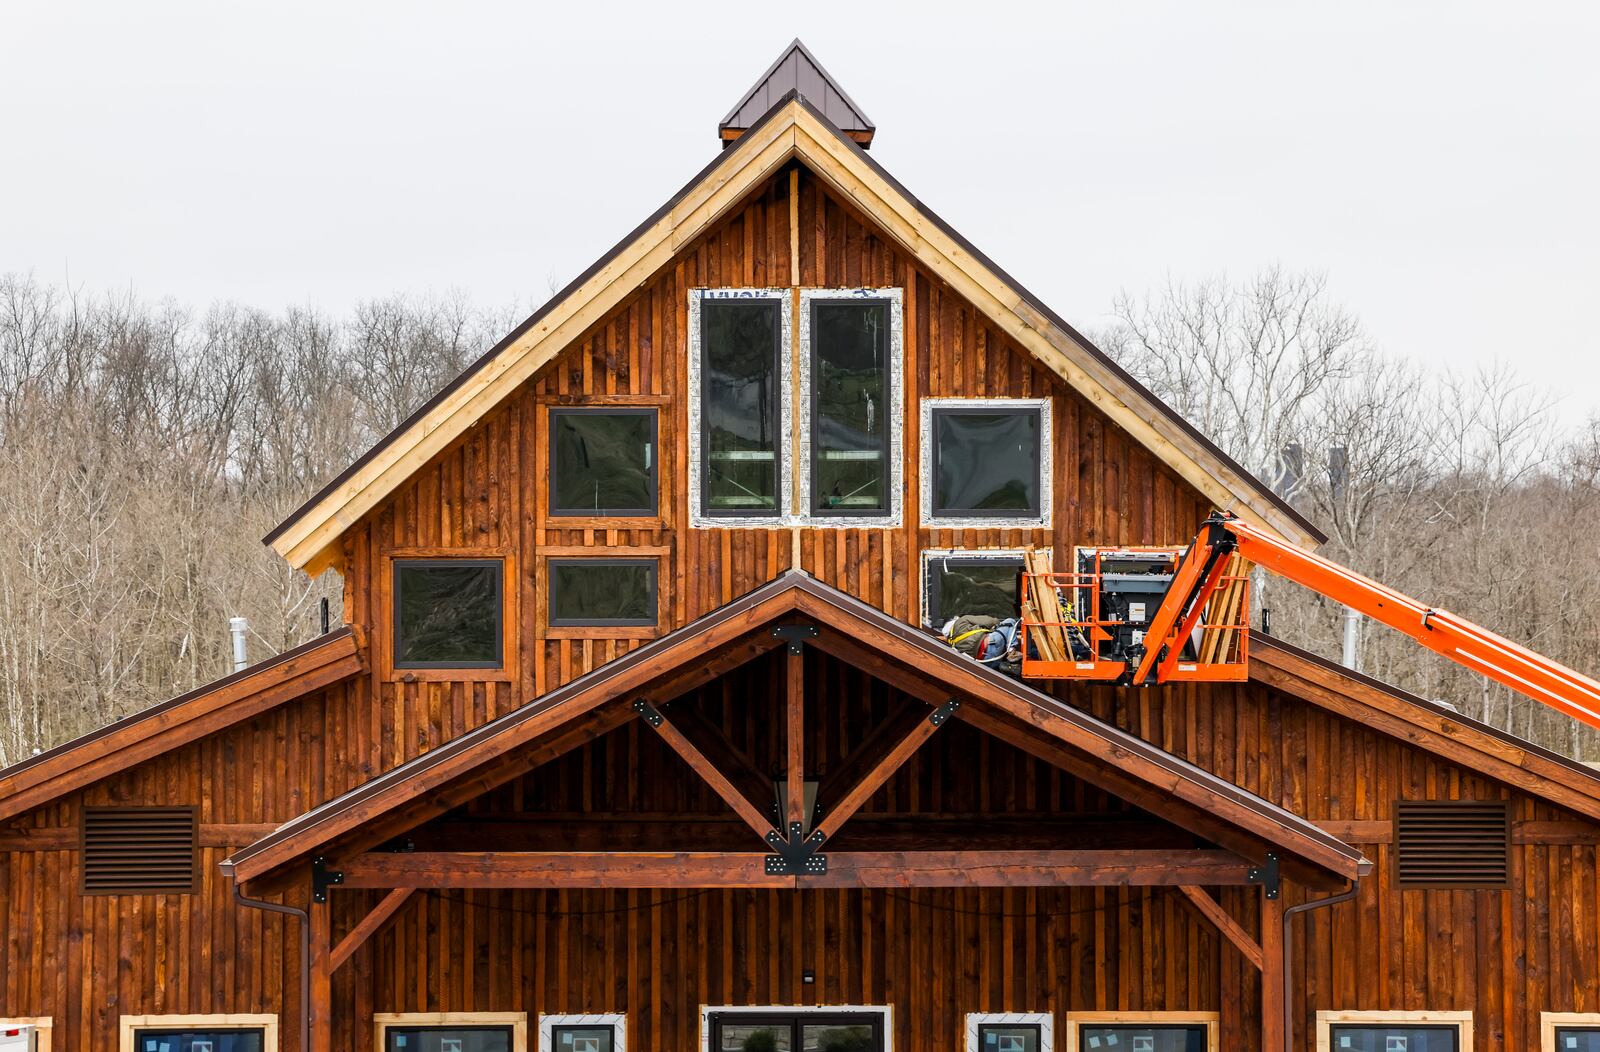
(1181, 631)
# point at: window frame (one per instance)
(894, 439)
(1044, 1022)
(699, 437)
(617, 1021)
(932, 409)
(609, 628)
(501, 560)
(41, 1024)
(569, 519)
(1551, 1022)
(516, 1021)
(710, 1016)
(1327, 1020)
(129, 1026)
(959, 555)
(1076, 1021)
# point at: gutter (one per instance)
(1288, 952)
(305, 952)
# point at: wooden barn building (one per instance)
(634, 737)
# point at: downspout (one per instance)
(305, 955)
(1288, 953)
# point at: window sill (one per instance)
(602, 522)
(449, 675)
(602, 632)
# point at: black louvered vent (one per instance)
(1452, 844)
(138, 850)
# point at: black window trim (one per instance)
(992, 1024)
(654, 562)
(780, 480)
(471, 1028)
(890, 418)
(794, 1018)
(936, 416)
(557, 1029)
(654, 413)
(499, 567)
(1381, 1025)
(191, 1029)
(959, 556)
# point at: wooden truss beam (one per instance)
(1212, 910)
(369, 926)
(846, 869)
(708, 772)
(883, 770)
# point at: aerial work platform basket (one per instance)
(1094, 623)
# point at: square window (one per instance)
(1008, 1037)
(987, 462)
(851, 413)
(603, 462)
(602, 592)
(448, 613)
(742, 416)
(583, 1038)
(977, 583)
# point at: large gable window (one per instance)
(852, 410)
(448, 613)
(603, 462)
(740, 414)
(986, 462)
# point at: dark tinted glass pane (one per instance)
(1394, 1038)
(447, 613)
(850, 423)
(1578, 1039)
(755, 1037)
(993, 1037)
(198, 1041)
(603, 463)
(449, 1039)
(988, 463)
(581, 1038)
(602, 592)
(739, 418)
(837, 1037)
(986, 587)
(1142, 1039)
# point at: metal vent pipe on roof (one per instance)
(238, 626)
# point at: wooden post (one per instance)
(321, 1007)
(1274, 995)
(796, 784)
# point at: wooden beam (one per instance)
(846, 869)
(1274, 993)
(879, 773)
(1212, 910)
(752, 815)
(320, 1009)
(794, 693)
(879, 740)
(369, 926)
(723, 752)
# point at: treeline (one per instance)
(145, 449)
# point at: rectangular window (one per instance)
(139, 850)
(199, 1033)
(1570, 1031)
(956, 583)
(448, 1039)
(603, 462)
(602, 592)
(585, 1032)
(1394, 1031)
(1009, 1032)
(741, 416)
(850, 417)
(1142, 1031)
(449, 613)
(986, 462)
(783, 1031)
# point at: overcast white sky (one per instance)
(1440, 160)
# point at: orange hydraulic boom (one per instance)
(1204, 565)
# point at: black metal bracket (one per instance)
(651, 715)
(796, 857)
(794, 635)
(323, 878)
(938, 716)
(1267, 876)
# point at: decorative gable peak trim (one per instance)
(792, 130)
(797, 71)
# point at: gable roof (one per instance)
(185, 718)
(1427, 724)
(792, 129)
(797, 70)
(462, 760)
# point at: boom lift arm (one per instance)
(1204, 564)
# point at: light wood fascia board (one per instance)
(1075, 364)
(320, 527)
(793, 133)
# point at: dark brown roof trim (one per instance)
(1162, 407)
(799, 581)
(863, 122)
(172, 703)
